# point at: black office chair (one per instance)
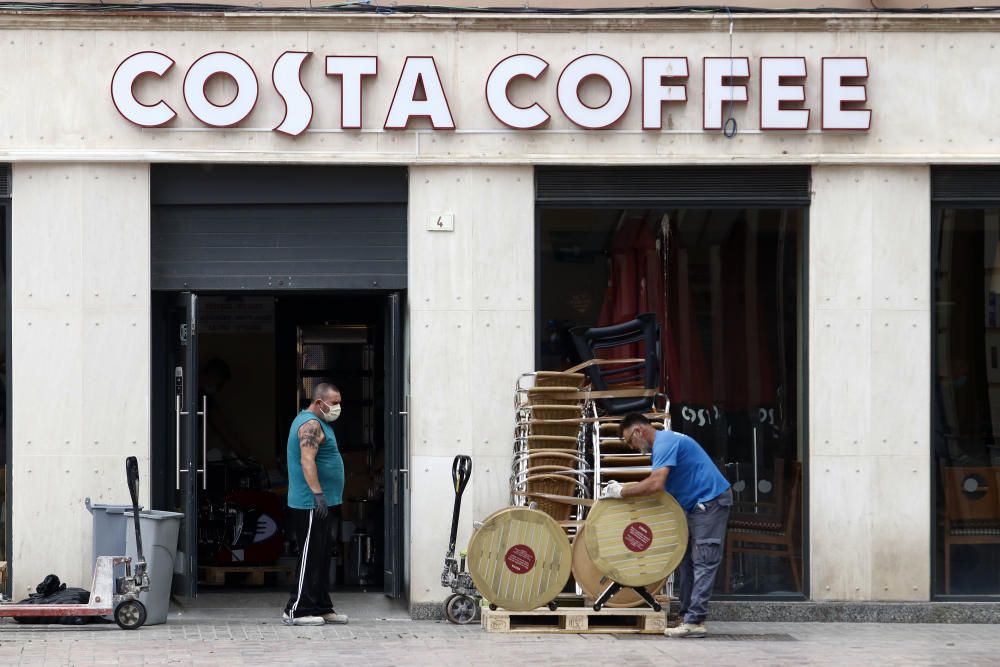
(644, 330)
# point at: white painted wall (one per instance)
(471, 321)
(869, 383)
(930, 92)
(81, 299)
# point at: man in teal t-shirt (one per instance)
(682, 468)
(315, 484)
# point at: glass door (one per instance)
(188, 425)
(396, 468)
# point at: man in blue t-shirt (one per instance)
(683, 469)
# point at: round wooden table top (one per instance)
(636, 541)
(519, 559)
(593, 581)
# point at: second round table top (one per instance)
(636, 541)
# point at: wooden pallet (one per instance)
(576, 620)
(250, 575)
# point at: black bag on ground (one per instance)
(52, 591)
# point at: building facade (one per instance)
(816, 191)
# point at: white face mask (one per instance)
(334, 412)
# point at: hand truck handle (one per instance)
(132, 476)
(461, 471)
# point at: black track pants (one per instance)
(311, 587)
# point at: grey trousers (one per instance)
(696, 574)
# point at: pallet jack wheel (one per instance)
(597, 606)
(130, 615)
(460, 609)
(493, 607)
(552, 605)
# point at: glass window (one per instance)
(726, 287)
(966, 401)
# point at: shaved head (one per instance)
(323, 390)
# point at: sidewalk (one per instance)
(237, 635)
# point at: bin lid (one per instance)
(156, 515)
(110, 508)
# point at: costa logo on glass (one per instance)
(637, 537)
(520, 559)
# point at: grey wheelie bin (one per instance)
(159, 543)
(109, 529)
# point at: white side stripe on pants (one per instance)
(302, 565)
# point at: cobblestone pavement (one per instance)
(373, 643)
(237, 633)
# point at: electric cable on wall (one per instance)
(729, 127)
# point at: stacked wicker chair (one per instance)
(550, 442)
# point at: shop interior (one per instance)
(259, 356)
(966, 401)
(726, 287)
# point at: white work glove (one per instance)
(612, 490)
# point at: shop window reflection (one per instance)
(726, 286)
(966, 407)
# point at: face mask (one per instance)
(333, 414)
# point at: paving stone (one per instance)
(373, 643)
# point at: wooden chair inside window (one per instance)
(971, 510)
(768, 535)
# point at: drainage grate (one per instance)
(774, 637)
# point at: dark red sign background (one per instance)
(637, 537)
(520, 559)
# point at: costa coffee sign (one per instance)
(420, 93)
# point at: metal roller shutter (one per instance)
(965, 185)
(226, 227)
(695, 187)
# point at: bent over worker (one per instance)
(315, 484)
(683, 469)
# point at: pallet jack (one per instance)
(460, 607)
(118, 597)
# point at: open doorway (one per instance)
(243, 365)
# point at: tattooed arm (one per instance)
(310, 437)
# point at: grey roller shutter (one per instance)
(965, 185)
(696, 186)
(222, 227)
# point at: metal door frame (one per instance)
(396, 450)
(8, 536)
